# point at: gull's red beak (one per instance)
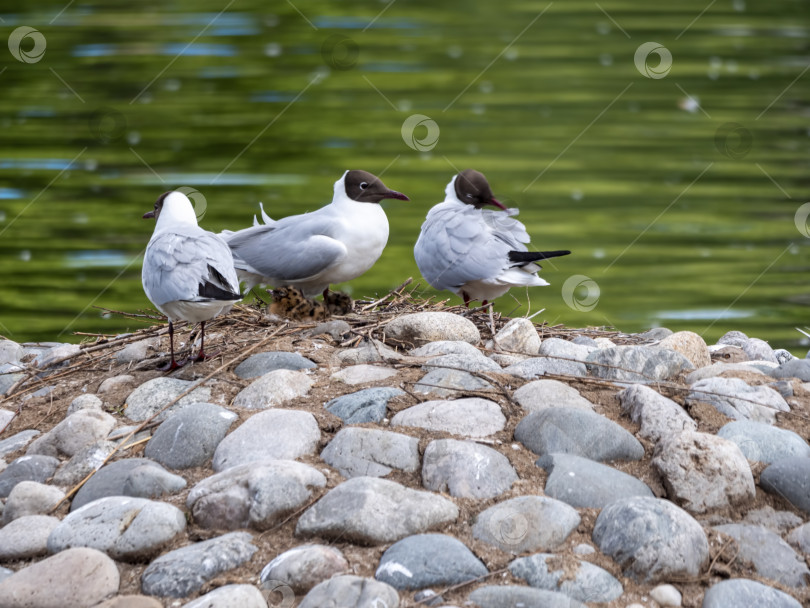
(396, 195)
(497, 203)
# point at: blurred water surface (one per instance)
(677, 180)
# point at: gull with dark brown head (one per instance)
(476, 253)
(311, 251)
(188, 272)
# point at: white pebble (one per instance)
(666, 595)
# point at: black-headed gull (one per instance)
(336, 243)
(474, 252)
(188, 272)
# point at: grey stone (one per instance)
(587, 583)
(411, 563)
(190, 437)
(84, 402)
(10, 374)
(116, 383)
(82, 463)
(363, 373)
(422, 327)
(514, 596)
(466, 469)
(470, 417)
(230, 596)
(303, 567)
(764, 443)
(526, 523)
(734, 398)
(445, 347)
(367, 352)
(366, 405)
(772, 557)
(183, 571)
(350, 590)
(556, 347)
(273, 388)
(26, 468)
(335, 329)
(445, 382)
(370, 511)
(541, 366)
(26, 537)
(262, 363)
(356, 452)
(273, 434)
(658, 416)
(517, 336)
(543, 394)
(585, 341)
(795, 368)
(153, 395)
(789, 478)
(254, 495)
(577, 432)
(776, 521)
(800, 538)
(505, 360)
(73, 434)
(743, 592)
(702, 471)
(583, 483)
(783, 387)
(50, 356)
(637, 363)
(733, 338)
(655, 334)
(17, 441)
(467, 363)
(75, 578)
(718, 369)
(123, 527)
(782, 355)
(651, 539)
(758, 350)
(135, 352)
(137, 477)
(31, 498)
(10, 352)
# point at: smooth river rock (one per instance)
(466, 469)
(359, 452)
(470, 417)
(422, 327)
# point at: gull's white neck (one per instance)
(450, 192)
(177, 209)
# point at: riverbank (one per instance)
(402, 448)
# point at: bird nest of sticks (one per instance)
(249, 326)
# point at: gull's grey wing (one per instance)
(291, 249)
(186, 264)
(459, 244)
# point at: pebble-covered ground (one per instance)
(405, 458)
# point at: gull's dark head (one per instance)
(472, 188)
(364, 187)
(155, 213)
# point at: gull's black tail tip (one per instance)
(525, 257)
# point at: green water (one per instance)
(675, 220)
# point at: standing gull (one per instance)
(336, 243)
(188, 272)
(474, 252)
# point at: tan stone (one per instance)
(690, 345)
